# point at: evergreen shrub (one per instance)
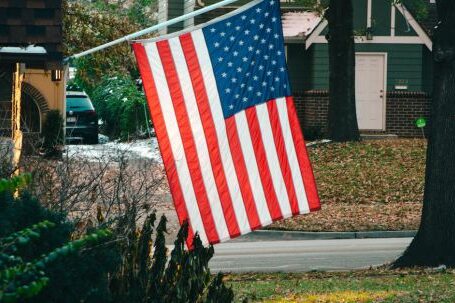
(52, 133)
(72, 271)
(121, 106)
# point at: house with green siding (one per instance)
(393, 62)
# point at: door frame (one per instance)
(384, 99)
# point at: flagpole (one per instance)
(152, 29)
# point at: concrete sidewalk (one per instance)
(279, 235)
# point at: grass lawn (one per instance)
(368, 185)
(356, 287)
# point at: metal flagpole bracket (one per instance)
(151, 29)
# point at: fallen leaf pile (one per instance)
(368, 185)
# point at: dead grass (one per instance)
(376, 285)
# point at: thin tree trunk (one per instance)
(435, 241)
(342, 118)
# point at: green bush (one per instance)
(148, 275)
(39, 263)
(14, 183)
(73, 85)
(52, 133)
(87, 24)
(121, 106)
(314, 133)
(81, 276)
(24, 280)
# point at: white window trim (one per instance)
(415, 25)
(315, 34)
(286, 52)
(392, 20)
(369, 13)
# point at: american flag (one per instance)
(227, 128)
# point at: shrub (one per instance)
(314, 133)
(52, 133)
(6, 153)
(147, 275)
(88, 24)
(121, 106)
(73, 85)
(134, 266)
(79, 276)
(20, 280)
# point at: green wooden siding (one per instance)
(404, 65)
(320, 75)
(299, 67)
(427, 70)
(175, 9)
(360, 14)
(403, 28)
(381, 17)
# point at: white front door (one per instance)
(370, 90)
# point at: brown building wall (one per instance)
(402, 110)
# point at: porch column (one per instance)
(16, 133)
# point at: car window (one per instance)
(78, 103)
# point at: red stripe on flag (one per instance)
(261, 159)
(302, 156)
(163, 139)
(188, 140)
(282, 155)
(242, 174)
(210, 133)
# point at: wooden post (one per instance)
(16, 133)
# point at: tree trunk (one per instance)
(342, 118)
(434, 243)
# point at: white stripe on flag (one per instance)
(292, 156)
(199, 138)
(220, 126)
(243, 132)
(170, 121)
(272, 159)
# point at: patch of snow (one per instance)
(318, 142)
(113, 151)
(136, 150)
(440, 268)
(102, 139)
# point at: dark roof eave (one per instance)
(33, 61)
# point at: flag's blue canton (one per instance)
(248, 57)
